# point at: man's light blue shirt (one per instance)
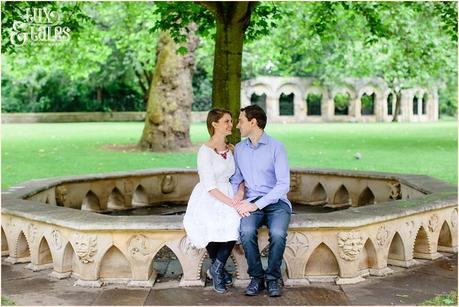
(264, 170)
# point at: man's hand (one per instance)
(244, 208)
(237, 198)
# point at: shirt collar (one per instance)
(263, 140)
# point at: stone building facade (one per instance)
(417, 104)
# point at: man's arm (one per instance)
(237, 177)
(282, 173)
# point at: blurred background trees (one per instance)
(109, 63)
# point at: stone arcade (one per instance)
(417, 104)
(385, 219)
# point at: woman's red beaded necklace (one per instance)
(222, 153)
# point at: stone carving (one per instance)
(350, 244)
(454, 218)
(297, 243)
(32, 232)
(61, 192)
(168, 184)
(433, 222)
(395, 191)
(295, 181)
(139, 247)
(85, 247)
(57, 239)
(187, 248)
(382, 236)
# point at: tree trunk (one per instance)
(398, 101)
(167, 122)
(232, 19)
(99, 95)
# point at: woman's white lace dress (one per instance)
(206, 218)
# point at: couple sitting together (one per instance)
(237, 193)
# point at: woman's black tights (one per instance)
(220, 250)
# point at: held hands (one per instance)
(238, 197)
(244, 208)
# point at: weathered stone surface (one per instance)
(343, 246)
(272, 88)
(235, 297)
(405, 287)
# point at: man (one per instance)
(261, 162)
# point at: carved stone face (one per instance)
(81, 248)
(85, 247)
(350, 244)
(352, 247)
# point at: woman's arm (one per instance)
(239, 194)
(221, 197)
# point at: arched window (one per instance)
(286, 104)
(313, 102)
(342, 102)
(415, 105)
(390, 101)
(368, 104)
(259, 100)
(425, 97)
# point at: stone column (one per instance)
(299, 108)
(380, 107)
(432, 110)
(272, 108)
(90, 249)
(327, 108)
(406, 106)
(419, 107)
(245, 101)
(355, 108)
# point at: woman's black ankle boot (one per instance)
(216, 270)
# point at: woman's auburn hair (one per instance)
(214, 116)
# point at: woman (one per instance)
(210, 220)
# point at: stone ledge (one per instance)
(442, 195)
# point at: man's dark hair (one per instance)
(256, 112)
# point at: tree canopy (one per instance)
(113, 47)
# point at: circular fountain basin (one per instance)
(108, 228)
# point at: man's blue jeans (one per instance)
(277, 218)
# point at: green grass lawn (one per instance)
(31, 151)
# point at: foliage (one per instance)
(106, 66)
(202, 90)
(341, 102)
(112, 50)
(55, 92)
(71, 14)
(31, 151)
(402, 42)
(449, 299)
(7, 302)
(368, 104)
(176, 16)
(314, 102)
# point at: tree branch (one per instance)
(148, 75)
(139, 80)
(210, 5)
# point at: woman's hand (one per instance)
(244, 208)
